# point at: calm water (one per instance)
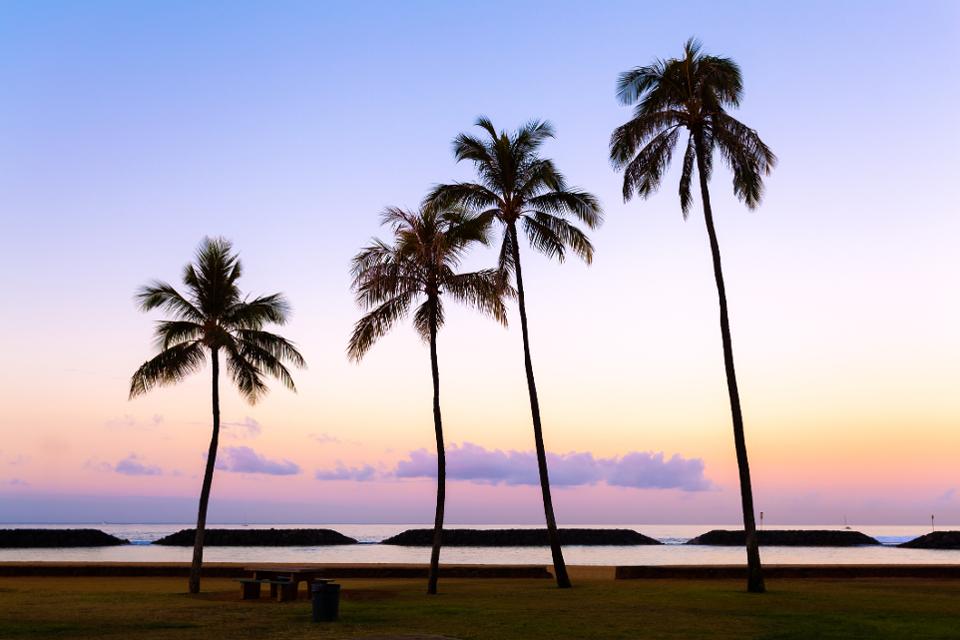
(674, 552)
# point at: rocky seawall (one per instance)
(935, 540)
(520, 537)
(258, 538)
(54, 538)
(786, 538)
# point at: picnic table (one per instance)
(284, 581)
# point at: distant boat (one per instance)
(845, 525)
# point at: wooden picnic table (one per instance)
(286, 574)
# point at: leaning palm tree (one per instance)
(421, 264)
(693, 93)
(517, 187)
(214, 318)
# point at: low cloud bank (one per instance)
(133, 465)
(341, 472)
(246, 460)
(473, 463)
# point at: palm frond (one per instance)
(627, 138)
(465, 194)
(253, 314)
(173, 332)
(482, 290)
(551, 230)
(721, 81)
(277, 346)
(643, 174)
(749, 158)
(246, 375)
(160, 295)
(376, 253)
(167, 367)
(530, 137)
(580, 204)
(543, 239)
(376, 324)
(538, 175)
(638, 82)
(733, 134)
(265, 360)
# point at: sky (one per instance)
(130, 131)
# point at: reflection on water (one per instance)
(674, 552)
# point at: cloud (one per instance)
(647, 470)
(17, 482)
(948, 495)
(246, 428)
(133, 465)
(246, 460)
(342, 472)
(473, 463)
(324, 438)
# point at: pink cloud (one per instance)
(474, 463)
(246, 460)
(133, 465)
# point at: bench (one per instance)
(282, 590)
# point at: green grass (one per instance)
(149, 608)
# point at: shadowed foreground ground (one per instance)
(599, 607)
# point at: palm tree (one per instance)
(420, 264)
(694, 93)
(519, 188)
(213, 317)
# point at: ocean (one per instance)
(672, 552)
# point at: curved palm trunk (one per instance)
(559, 566)
(441, 464)
(197, 563)
(754, 570)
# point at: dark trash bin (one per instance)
(326, 601)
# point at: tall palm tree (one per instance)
(420, 265)
(693, 93)
(517, 187)
(213, 317)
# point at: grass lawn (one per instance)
(598, 607)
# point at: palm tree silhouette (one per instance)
(420, 264)
(518, 187)
(214, 317)
(693, 93)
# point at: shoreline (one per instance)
(481, 571)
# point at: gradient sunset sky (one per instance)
(130, 131)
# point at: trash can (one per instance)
(326, 601)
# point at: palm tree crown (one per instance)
(214, 315)
(517, 186)
(421, 265)
(692, 93)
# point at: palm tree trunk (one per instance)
(197, 563)
(559, 566)
(441, 462)
(754, 570)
